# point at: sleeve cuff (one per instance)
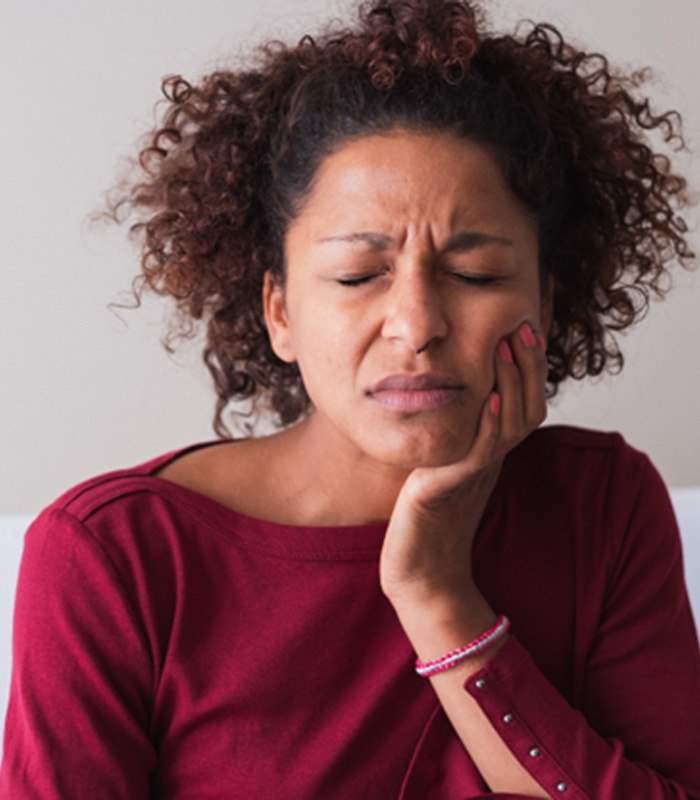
(531, 717)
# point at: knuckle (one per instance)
(479, 463)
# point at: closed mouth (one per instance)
(415, 383)
(413, 393)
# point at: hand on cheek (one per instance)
(427, 549)
(520, 372)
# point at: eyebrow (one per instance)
(460, 242)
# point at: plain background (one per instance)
(83, 390)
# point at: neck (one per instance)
(335, 483)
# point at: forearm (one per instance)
(525, 737)
(439, 631)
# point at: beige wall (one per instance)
(81, 392)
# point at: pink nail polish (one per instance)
(541, 342)
(505, 352)
(495, 404)
(527, 336)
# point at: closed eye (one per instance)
(355, 281)
(359, 279)
(475, 280)
(471, 280)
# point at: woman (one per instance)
(400, 237)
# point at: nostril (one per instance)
(413, 314)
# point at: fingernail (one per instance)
(527, 336)
(505, 352)
(541, 342)
(495, 404)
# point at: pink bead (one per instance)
(482, 642)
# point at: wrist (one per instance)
(446, 624)
(474, 649)
(464, 607)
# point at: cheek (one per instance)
(325, 351)
(512, 312)
(484, 325)
(322, 338)
(483, 329)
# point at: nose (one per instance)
(414, 312)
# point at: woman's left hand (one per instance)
(425, 566)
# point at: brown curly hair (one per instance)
(234, 156)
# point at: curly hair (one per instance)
(234, 157)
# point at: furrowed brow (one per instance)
(461, 242)
(465, 241)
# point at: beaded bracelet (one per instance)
(487, 639)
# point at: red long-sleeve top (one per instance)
(168, 647)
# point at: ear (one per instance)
(547, 304)
(276, 319)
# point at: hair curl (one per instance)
(234, 156)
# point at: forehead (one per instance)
(412, 178)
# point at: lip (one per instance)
(409, 393)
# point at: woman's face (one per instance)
(409, 262)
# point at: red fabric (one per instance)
(168, 647)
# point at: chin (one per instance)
(428, 450)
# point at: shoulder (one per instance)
(567, 438)
(587, 474)
(107, 489)
(558, 449)
(594, 497)
(120, 525)
(124, 510)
